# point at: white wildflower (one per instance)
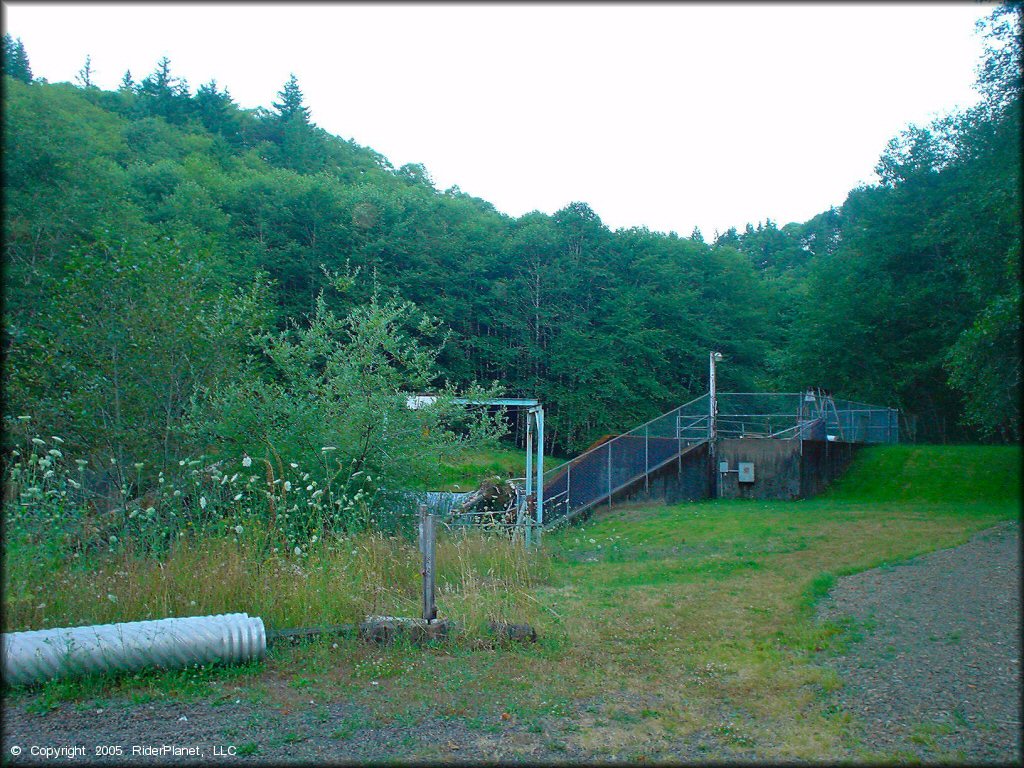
(37, 441)
(239, 529)
(202, 502)
(24, 418)
(111, 598)
(237, 496)
(139, 465)
(293, 465)
(246, 461)
(233, 478)
(57, 439)
(298, 551)
(81, 463)
(55, 453)
(327, 448)
(287, 485)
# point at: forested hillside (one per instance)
(173, 261)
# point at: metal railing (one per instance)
(597, 474)
(804, 415)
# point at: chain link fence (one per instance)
(593, 476)
(597, 474)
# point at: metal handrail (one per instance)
(634, 429)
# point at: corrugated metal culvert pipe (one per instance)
(46, 654)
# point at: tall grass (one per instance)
(259, 538)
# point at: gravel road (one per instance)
(937, 676)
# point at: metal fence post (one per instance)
(529, 475)
(610, 472)
(679, 441)
(568, 487)
(540, 469)
(422, 528)
(428, 544)
(647, 458)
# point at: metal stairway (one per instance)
(596, 475)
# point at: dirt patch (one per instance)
(317, 734)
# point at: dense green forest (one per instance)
(182, 276)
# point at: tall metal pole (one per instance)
(529, 473)
(540, 470)
(713, 357)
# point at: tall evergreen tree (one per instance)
(16, 60)
(84, 76)
(290, 105)
(163, 94)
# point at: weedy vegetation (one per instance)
(661, 627)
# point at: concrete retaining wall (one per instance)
(783, 469)
(822, 463)
(776, 468)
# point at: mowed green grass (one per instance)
(662, 627)
(705, 610)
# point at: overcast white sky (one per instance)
(662, 115)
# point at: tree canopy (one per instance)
(163, 245)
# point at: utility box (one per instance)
(723, 467)
(746, 473)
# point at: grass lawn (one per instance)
(660, 626)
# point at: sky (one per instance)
(666, 116)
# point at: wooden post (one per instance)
(429, 547)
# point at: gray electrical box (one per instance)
(723, 467)
(746, 472)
